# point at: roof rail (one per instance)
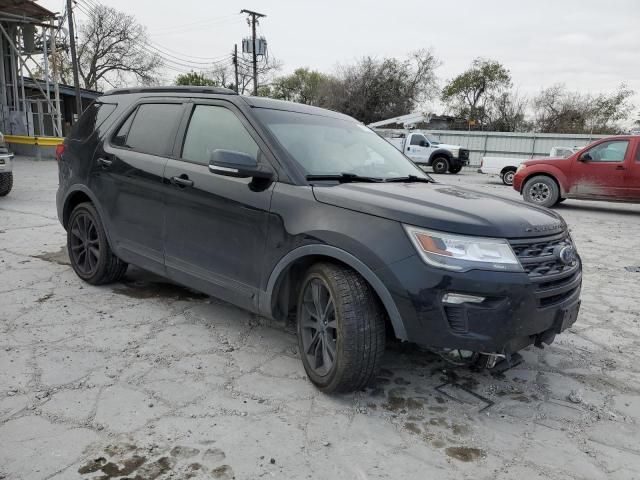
(172, 89)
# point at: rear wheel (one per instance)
(6, 183)
(541, 190)
(507, 176)
(341, 329)
(440, 165)
(89, 252)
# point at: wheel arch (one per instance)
(553, 177)
(281, 290)
(441, 152)
(507, 169)
(78, 194)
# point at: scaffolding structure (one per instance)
(28, 35)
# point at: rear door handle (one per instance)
(105, 163)
(182, 181)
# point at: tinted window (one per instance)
(416, 139)
(120, 138)
(328, 146)
(153, 128)
(613, 151)
(212, 128)
(91, 119)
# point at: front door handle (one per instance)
(620, 167)
(104, 162)
(182, 181)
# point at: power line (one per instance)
(169, 59)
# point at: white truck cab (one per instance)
(428, 152)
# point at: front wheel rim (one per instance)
(84, 244)
(540, 192)
(319, 327)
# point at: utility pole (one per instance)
(235, 65)
(254, 16)
(74, 57)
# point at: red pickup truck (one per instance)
(608, 169)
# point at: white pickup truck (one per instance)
(428, 152)
(6, 168)
(506, 167)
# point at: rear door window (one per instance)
(91, 119)
(150, 129)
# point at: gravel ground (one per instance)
(147, 380)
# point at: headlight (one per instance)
(455, 152)
(522, 166)
(462, 253)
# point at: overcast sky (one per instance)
(590, 45)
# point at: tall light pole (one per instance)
(74, 56)
(254, 16)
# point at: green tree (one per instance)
(302, 86)
(196, 79)
(470, 94)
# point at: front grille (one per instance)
(464, 154)
(555, 280)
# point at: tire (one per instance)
(440, 165)
(507, 176)
(541, 190)
(6, 183)
(339, 312)
(455, 170)
(89, 251)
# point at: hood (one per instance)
(444, 208)
(536, 161)
(448, 147)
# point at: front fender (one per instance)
(554, 172)
(265, 300)
(440, 152)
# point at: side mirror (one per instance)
(236, 164)
(585, 157)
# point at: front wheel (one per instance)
(455, 170)
(541, 190)
(341, 328)
(89, 251)
(440, 165)
(6, 183)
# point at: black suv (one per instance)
(296, 212)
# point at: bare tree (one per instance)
(507, 112)
(113, 50)
(558, 110)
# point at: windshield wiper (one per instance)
(345, 178)
(410, 178)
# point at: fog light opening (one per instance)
(460, 298)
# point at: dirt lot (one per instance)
(148, 380)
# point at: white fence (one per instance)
(503, 144)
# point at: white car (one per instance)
(6, 168)
(506, 167)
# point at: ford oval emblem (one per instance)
(566, 254)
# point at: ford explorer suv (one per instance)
(301, 214)
(608, 169)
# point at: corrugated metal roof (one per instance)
(25, 8)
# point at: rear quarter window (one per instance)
(91, 120)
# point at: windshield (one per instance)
(331, 146)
